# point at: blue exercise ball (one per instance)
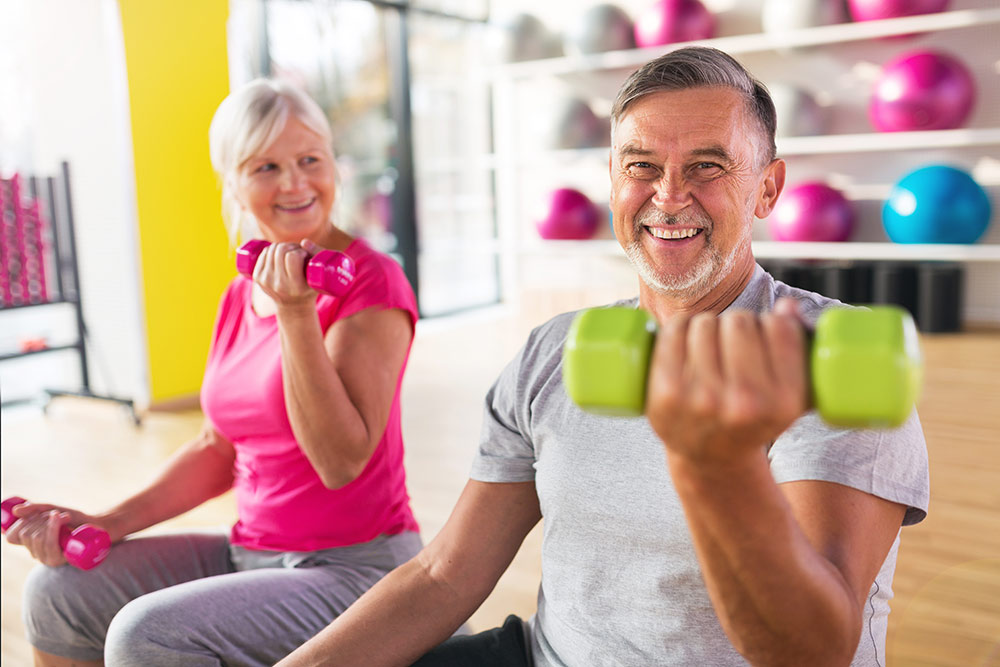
(936, 204)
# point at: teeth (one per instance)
(301, 204)
(662, 233)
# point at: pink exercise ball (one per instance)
(873, 10)
(812, 211)
(922, 90)
(568, 214)
(671, 21)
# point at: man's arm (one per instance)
(422, 602)
(787, 568)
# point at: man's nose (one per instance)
(671, 193)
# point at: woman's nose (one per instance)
(291, 178)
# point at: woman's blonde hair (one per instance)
(247, 121)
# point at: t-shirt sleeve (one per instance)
(891, 463)
(506, 453)
(223, 316)
(379, 283)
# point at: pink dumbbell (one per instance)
(85, 547)
(327, 271)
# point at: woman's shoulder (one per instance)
(369, 260)
(376, 270)
(236, 294)
(379, 280)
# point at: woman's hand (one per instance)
(281, 273)
(723, 387)
(38, 526)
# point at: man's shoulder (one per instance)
(764, 291)
(552, 333)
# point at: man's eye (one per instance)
(707, 169)
(641, 170)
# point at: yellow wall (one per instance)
(175, 53)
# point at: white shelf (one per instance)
(957, 252)
(986, 252)
(737, 44)
(787, 146)
(887, 141)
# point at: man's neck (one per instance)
(714, 301)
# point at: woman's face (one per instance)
(289, 186)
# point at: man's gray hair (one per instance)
(700, 67)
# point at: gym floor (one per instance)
(947, 606)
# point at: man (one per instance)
(731, 525)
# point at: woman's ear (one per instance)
(232, 185)
(770, 188)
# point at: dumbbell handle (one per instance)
(865, 365)
(83, 547)
(328, 271)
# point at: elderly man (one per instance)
(731, 525)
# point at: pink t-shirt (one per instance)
(281, 502)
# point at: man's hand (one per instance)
(721, 388)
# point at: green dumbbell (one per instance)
(865, 364)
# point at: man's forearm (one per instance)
(778, 599)
(402, 617)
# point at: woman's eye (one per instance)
(268, 166)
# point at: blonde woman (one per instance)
(301, 397)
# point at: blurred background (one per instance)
(472, 141)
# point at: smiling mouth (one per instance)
(295, 206)
(673, 234)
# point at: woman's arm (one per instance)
(339, 388)
(201, 469)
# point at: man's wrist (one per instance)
(709, 474)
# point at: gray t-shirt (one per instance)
(620, 581)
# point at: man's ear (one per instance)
(611, 198)
(770, 188)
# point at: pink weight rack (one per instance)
(38, 266)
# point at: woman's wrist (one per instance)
(304, 310)
(115, 523)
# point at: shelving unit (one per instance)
(863, 157)
(55, 194)
(742, 44)
(783, 250)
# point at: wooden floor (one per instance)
(947, 606)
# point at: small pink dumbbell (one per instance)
(85, 547)
(327, 271)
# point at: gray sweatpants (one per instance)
(192, 599)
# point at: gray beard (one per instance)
(710, 269)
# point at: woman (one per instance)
(301, 399)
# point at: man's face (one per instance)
(686, 183)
